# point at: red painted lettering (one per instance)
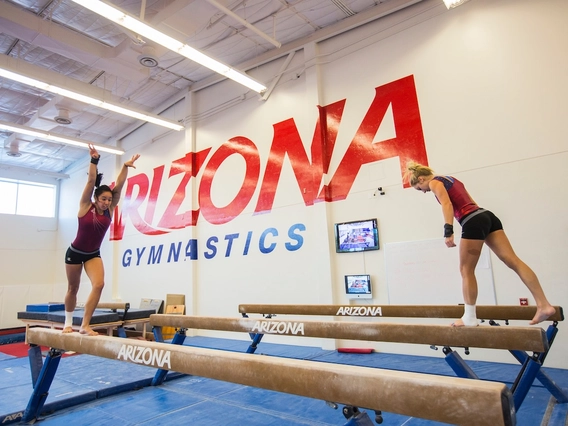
(287, 141)
(247, 149)
(189, 165)
(407, 145)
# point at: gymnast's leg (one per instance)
(469, 251)
(73, 272)
(95, 271)
(499, 243)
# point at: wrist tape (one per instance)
(448, 230)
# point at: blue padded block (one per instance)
(99, 316)
(133, 314)
(37, 316)
(45, 307)
(12, 338)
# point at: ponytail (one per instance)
(415, 170)
(98, 179)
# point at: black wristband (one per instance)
(94, 160)
(448, 230)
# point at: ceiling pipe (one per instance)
(30, 171)
(245, 23)
(376, 12)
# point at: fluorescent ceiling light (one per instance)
(42, 85)
(450, 4)
(121, 18)
(40, 134)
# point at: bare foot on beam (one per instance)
(460, 323)
(542, 314)
(88, 331)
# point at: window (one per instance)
(27, 198)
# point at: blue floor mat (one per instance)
(112, 392)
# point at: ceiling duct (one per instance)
(62, 117)
(14, 150)
(148, 57)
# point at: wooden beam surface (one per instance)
(509, 338)
(486, 312)
(446, 399)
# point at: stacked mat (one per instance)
(55, 312)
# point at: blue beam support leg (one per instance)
(523, 384)
(178, 339)
(459, 365)
(256, 338)
(555, 390)
(42, 383)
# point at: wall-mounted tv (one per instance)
(360, 235)
(358, 287)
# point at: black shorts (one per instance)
(73, 257)
(480, 225)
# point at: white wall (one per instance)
(26, 258)
(490, 80)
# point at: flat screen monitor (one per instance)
(358, 287)
(355, 236)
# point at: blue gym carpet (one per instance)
(89, 390)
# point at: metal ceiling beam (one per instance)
(71, 44)
(377, 12)
(244, 22)
(30, 171)
(347, 24)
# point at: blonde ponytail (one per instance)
(415, 170)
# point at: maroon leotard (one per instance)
(92, 230)
(462, 203)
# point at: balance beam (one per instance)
(439, 398)
(113, 305)
(510, 338)
(408, 311)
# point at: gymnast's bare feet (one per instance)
(67, 329)
(542, 314)
(88, 331)
(460, 323)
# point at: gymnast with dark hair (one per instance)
(478, 226)
(84, 252)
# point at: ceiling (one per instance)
(66, 38)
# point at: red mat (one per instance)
(20, 350)
(355, 350)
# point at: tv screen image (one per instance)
(361, 235)
(358, 286)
